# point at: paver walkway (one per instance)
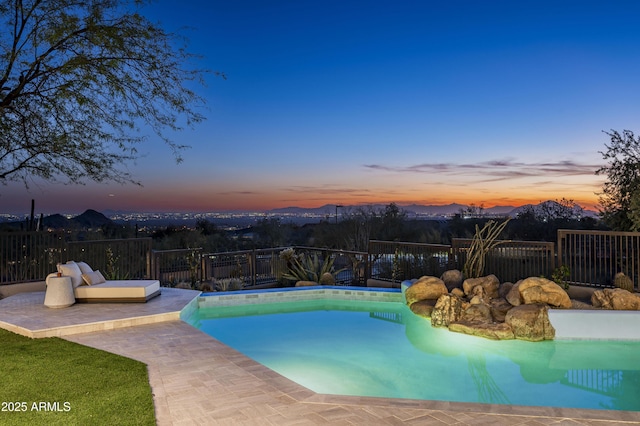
(197, 380)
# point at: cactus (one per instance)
(622, 281)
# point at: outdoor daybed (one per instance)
(91, 287)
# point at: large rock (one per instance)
(504, 289)
(452, 279)
(495, 331)
(513, 296)
(448, 309)
(541, 290)
(478, 295)
(530, 322)
(499, 308)
(422, 308)
(615, 298)
(490, 284)
(426, 288)
(477, 313)
(306, 283)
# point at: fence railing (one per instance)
(398, 261)
(31, 256)
(253, 268)
(265, 267)
(592, 257)
(511, 260)
(116, 259)
(595, 257)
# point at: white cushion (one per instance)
(118, 289)
(84, 268)
(71, 270)
(92, 278)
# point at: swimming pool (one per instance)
(379, 348)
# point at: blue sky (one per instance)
(356, 102)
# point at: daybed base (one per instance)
(118, 299)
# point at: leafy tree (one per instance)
(79, 80)
(619, 197)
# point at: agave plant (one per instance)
(309, 268)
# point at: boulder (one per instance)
(513, 296)
(530, 322)
(478, 295)
(490, 284)
(306, 283)
(499, 308)
(477, 313)
(426, 288)
(535, 290)
(620, 280)
(327, 279)
(452, 279)
(615, 298)
(448, 309)
(495, 331)
(457, 292)
(504, 289)
(422, 308)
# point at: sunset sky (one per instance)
(358, 102)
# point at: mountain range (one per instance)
(420, 209)
(94, 219)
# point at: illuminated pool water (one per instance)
(381, 349)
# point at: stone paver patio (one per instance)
(197, 380)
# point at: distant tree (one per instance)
(361, 225)
(620, 192)
(78, 81)
(393, 221)
(270, 232)
(206, 227)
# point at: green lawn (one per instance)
(55, 382)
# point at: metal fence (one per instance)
(116, 259)
(398, 261)
(511, 260)
(265, 267)
(172, 267)
(595, 257)
(31, 256)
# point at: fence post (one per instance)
(203, 267)
(149, 264)
(252, 267)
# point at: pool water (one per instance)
(381, 349)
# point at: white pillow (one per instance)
(94, 277)
(71, 270)
(84, 268)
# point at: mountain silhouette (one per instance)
(88, 219)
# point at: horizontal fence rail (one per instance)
(595, 257)
(510, 260)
